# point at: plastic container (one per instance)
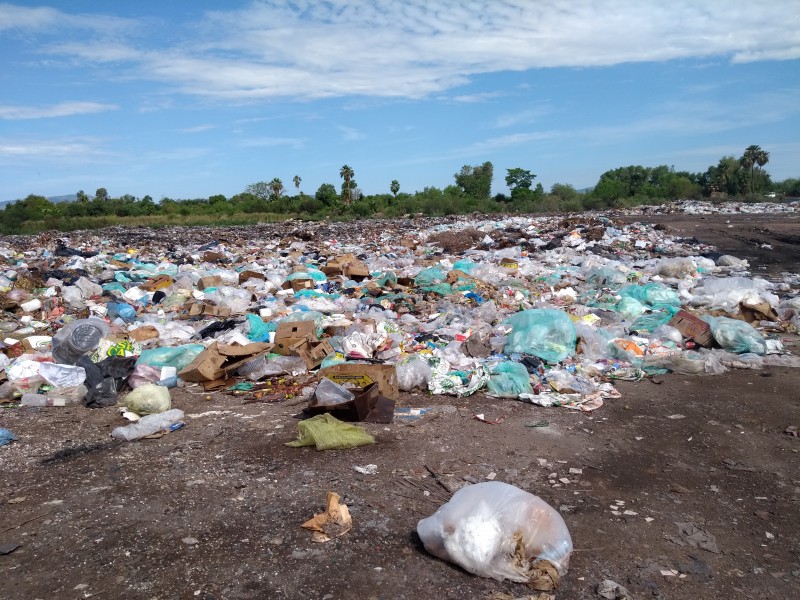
(149, 425)
(78, 338)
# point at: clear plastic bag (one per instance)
(497, 530)
(178, 356)
(412, 373)
(330, 393)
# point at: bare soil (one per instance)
(213, 511)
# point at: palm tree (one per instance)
(761, 158)
(394, 187)
(296, 179)
(276, 185)
(347, 174)
(748, 161)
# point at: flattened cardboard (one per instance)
(208, 309)
(692, 327)
(157, 283)
(361, 375)
(219, 359)
(209, 282)
(245, 275)
(347, 265)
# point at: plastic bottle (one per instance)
(148, 425)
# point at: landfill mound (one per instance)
(336, 335)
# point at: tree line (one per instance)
(742, 178)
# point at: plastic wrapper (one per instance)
(148, 399)
(509, 380)
(546, 333)
(736, 336)
(497, 530)
(62, 375)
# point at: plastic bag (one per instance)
(653, 320)
(497, 530)
(330, 393)
(78, 338)
(736, 336)
(509, 380)
(178, 356)
(413, 372)
(326, 432)
(430, 276)
(148, 425)
(234, 298)
(546, 333)
(62, 375)
(148, 399)
(654, 295)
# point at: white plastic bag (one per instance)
(497, 530)
(413, 372)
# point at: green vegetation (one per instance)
(740, 178)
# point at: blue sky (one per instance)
(192, 99)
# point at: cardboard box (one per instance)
(296, 329)
(218, 360)
(692, 327)
(313, 352)
(347, 265)
(208, 309)
(157, 283)
(368, 405)
(210, 281)
(362, 375)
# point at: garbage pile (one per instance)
(547, 310)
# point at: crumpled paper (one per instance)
(334, 522)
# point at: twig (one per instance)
(26, 522)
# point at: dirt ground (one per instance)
(213, 511)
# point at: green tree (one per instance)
(101, 194)
(761, 158)
(296, 180)
(276, 188)
(564, 192)
(748, 162)
(326, 194)
(394, 188)
(347, 173)
(476, 181)
(260, 189)
(82, 197)
(519, 181)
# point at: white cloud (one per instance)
(414, 48)
(479, 97)
(61, 150)
(62, 109)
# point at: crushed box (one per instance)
(219, 359)
(362, 375)
(692, 327)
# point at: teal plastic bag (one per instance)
(509, 380)
(630, 308)
(654, 295)
(736, 336)
(546, 333)
(259, 330)
(464, 265)
(178, 357)
(429, 277)
(655, 319)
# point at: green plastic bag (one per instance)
(429, 277)
(653, 320)
(178, 357)
(654, 295)
(509, 380)
(326, 432)
(546, 333)
(736, 336)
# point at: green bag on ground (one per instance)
(509, 380)
(329, 433)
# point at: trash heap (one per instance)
(547, 310)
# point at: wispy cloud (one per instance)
(524, 117)
(83, 150)
(269, 142)
(479, 97)
(196, 129)
(350, 134)
(411, 49)
(62, 109)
